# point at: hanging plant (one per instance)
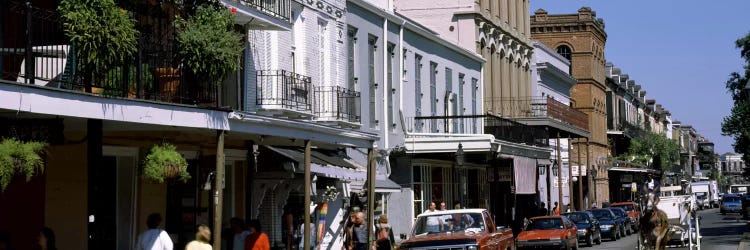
(164, 162)
(18, 157)
(331, 194)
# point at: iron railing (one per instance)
(501, 128)
(337, 103)
(281, 89)
(276, 8)
(34, 50)
(533, 107)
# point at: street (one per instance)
(720, 232)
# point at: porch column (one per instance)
(307, 195)
(559, 175)
(250, 178)
(582, 206)
(370, 195)
(571, 201)
(219, 193)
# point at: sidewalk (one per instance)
(745, 240)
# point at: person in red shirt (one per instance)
(557, 209)
(257, 240)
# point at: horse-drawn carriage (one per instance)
(671, 222)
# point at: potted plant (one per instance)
(17, 157)
(208, 45)
(164, 162)
(102, 33)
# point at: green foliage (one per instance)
(207, 43)
(161, 158)
(653, 150)
(18, 157)
(112, 82)
(737, 124)
(103, 33)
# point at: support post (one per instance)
(29, 53)
(592, 181)
(308, 183)
(559, 175)
(370, 196)
(581, 206)
(94, 159)
(571, 189)
(219, 187)
(250, 179)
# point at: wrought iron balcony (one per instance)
(337, 104)
(284, 90)
(154, 72)
(538, 107)
(276, 8)
(500, 128)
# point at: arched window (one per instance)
(564, 51)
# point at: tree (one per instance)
(653, 150)
(737, 124)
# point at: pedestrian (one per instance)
(434, 223)
(556, 209)
(154, 238)
(313, 234)
(202, 237)
(238, 232)
(357, 233)
(257, 240)
(46, 239)
(543, 210)
(385, 239)
(445, 219)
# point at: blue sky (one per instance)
(680, 51)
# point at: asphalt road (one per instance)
(720, 232)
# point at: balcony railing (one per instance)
(276, 8)
(337, 103)
(536, 107)
(37, 52)
(281, 89)
(501, 128)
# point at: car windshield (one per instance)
(545, 224)
(618, 212)
(452, 222)
(626, 207)
(578, 217)
(602, 214)
(700, 195)
(731, 199)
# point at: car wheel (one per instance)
(619, 233)
(590, 241)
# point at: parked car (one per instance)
(588, 227)
(469, 229)
(625, 221)
(607, 223)
(633, 210)
(731, 204)
(548, 232)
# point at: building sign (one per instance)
(324, 7)
(575, 170)
(564, 182)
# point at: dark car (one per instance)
(731, 204)
(625, 220)
(607, 223)
(588, 227)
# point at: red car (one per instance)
(549, 232)
(633, 212)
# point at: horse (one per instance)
(654, 226)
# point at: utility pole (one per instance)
(219, 187)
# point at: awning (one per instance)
(524, 170)
(322, 164)
(386, 186)
(636, 170)
(544, 162)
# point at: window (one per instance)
(564, 51)
(451, 107)
(389, 88)
(433, 96)
(322, 37)
(461, 108)
(474, 89)
(371, 50)
(418, 90)
(350, 48)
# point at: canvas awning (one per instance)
(323, 164)
(524, 169)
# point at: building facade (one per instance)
(732, 167)
(581, 39)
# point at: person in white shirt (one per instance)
(202, 236)
(154, 238)
(434, 223)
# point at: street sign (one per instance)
(574, 170)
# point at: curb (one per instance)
(745, 241)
